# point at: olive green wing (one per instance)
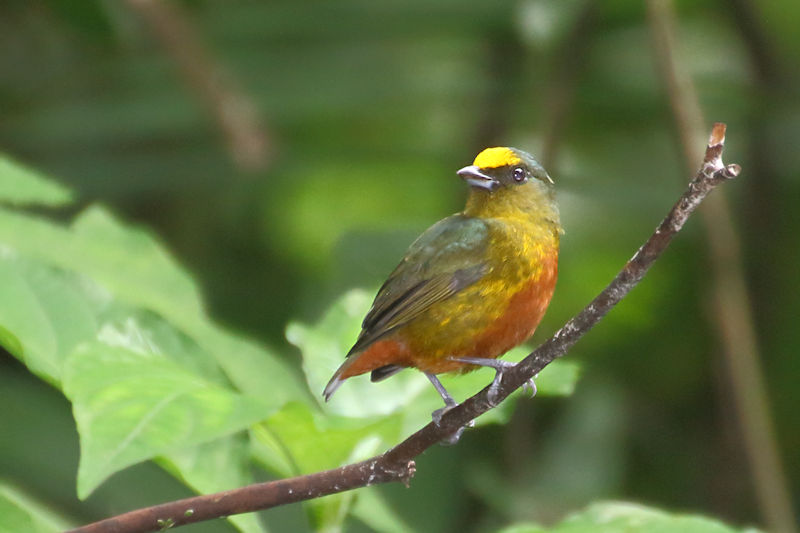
(448, 257)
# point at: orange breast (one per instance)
(525, 310)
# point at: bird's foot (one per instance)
(530, 385)
(439, 413)
(454, 437)
(499, 367)
(437, 419)
(449, 403)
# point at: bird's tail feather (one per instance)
(337, 379)
(379, 358)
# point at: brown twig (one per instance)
(732, 310)
(234, 112)
(398, 464)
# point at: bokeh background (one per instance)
(288, 151)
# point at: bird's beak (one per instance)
(476, 178)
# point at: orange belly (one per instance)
(516, 324)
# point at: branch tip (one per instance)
(717, 134)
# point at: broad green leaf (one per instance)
(42, 315)
(11, 343)
(523, 528)
(19, 513)
(214, 466)
(131, 404)
(127, 262)
(325, 344)
(307, 441)
(371, 508)
(330, 512)
(50, 311)
(253, 369)
(133, 264)
(46, 311)
(152, 279)
(22, 186)
(624, 517)
(147, 331)
(297, 440)
(137, 270)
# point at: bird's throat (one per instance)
(532, 203)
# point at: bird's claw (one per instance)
(437, 419)
(439, 413)
(499, 367)
(530, 385)
(454, 438)
(494, 390)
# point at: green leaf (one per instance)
(371, 508)
(22, 186)
(523, 528)
(137, 270)
(19, 513)
(133, 264)
(294, 434)
(253, 369)
(324, 346)
(624, 517)
(297, 440)
(11, 343)
(126, 287)
(42, 316)
(50, 311)
(214, 466)
(127, 262)
(131, 404)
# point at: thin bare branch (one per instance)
(234, 112)
(397, 464)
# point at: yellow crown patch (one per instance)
(496, 157)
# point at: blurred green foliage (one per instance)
(617, 517)
(370, 107)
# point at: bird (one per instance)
(472, 286)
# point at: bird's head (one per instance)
(499, 167)
(506, 180)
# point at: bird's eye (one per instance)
(519, 174)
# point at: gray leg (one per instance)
(449, 403)
(499, 367)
